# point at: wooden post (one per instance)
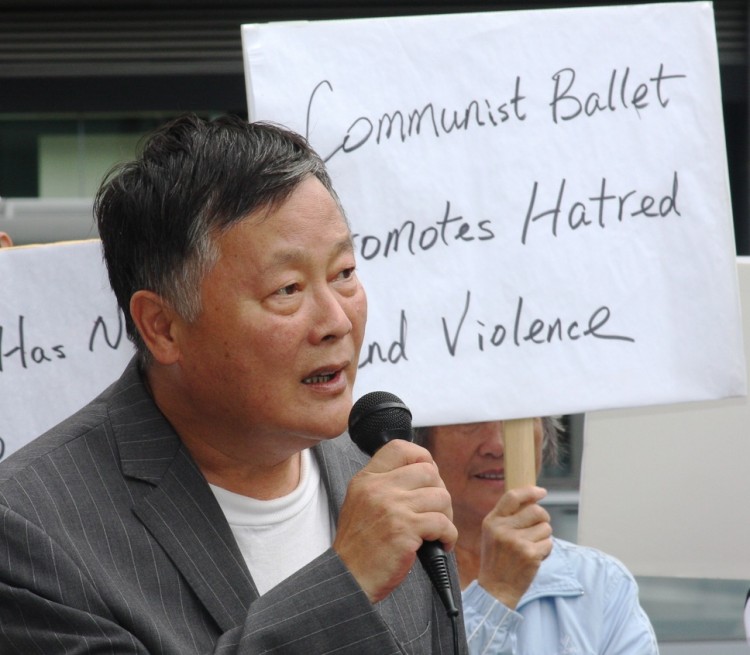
(520, 460)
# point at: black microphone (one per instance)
(377, 418)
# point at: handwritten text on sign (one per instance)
(62, 338)
(539, 200)
(427, 121)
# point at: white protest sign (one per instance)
(539, 200)
(62, 338)
(674, 479)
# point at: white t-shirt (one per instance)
(278, 537)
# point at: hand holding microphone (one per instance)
(396, 507)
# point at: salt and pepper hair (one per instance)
(552, 428)
(159, 216)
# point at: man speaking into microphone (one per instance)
(205, 503)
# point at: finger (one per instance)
(513, 500)
(407, 490)
(530, 515)
(538, 550)
(412, 490)
(397, 453)
(437, 526)
(425, 500)
(540, 533)
(503, 528)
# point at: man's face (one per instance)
(274, 351)
(471, 459)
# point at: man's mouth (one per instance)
(320, 378)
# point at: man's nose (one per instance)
(331, 320)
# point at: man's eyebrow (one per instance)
(298, 255)
(344, 246)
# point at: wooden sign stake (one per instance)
(520, 461)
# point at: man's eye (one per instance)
(288, 290)
(346, 273)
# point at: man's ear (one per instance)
(155, 321)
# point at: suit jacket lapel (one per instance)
(180, 512)
(339, 460)
(184, 517)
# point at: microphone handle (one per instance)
(435, 562)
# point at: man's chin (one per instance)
(330, 429)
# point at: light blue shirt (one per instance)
(581, 602)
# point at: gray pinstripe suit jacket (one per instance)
(112, 542)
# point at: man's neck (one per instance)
(263, 484)
(247, 464)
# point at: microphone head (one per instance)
(376, 418)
